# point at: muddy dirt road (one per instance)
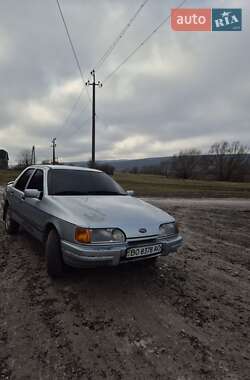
(186, 318)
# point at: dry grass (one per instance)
(159, 186)
(7, 176)
(155, 185)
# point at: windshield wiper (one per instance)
(70, 193)
(103, 192)
(100, 192)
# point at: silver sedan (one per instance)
(86, 219)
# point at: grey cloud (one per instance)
(202, 95)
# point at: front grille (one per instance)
(141, 242)
(151, 240)
(171, 235)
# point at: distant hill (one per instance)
(123, 165)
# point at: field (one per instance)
(7, 175)
(187, 317)
(159, 186)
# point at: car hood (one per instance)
(125, 212)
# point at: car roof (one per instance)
(65, 167)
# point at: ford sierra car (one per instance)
(86, 219)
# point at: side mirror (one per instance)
(32, 193)
(131, 193)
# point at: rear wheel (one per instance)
(10, 225)
(55, 264)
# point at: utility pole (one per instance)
(93, 84)
(33, 155)
(53, 151)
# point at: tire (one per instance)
(55, 264)
(10, 225)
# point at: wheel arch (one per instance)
(5, 207)
(49, 227)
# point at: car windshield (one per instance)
(79, 182)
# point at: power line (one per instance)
(82, 124)
(120, 36)
(70, 41)
(141, 44)
(69, 115)
(78, 66)
(88, 96)
(101, 119)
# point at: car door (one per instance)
(32, 208)
(16, 195)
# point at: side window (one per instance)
(36, 181)
(21, 183)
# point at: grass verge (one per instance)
(7, 176)
(159, 186)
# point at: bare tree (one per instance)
(229, 160)
(166, 167)
(107, 168)
(186, 162)
(24, 158)
(134, 170)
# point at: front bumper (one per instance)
(82, 256)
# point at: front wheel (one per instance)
(10, 225)
(55, 264)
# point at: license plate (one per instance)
(144, 251)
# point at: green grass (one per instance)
(156, 186)
(7, 176)
(159, 186)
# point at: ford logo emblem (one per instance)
(142, 230)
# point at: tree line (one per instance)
(25, 159)
(224, 161)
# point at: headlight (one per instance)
(168, 229)
(108, 235)
(99, 235)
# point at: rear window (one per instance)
(80, 182)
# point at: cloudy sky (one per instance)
(181, 90)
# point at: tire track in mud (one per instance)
(205, 321)
(228, 297)
(5, 371)
(51, 355)
(107, 326)
(56, 308)
(205, 309)
(44, 305)
(187, 317)
(66, 363)
(146, 344)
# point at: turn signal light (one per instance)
(83, 235)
